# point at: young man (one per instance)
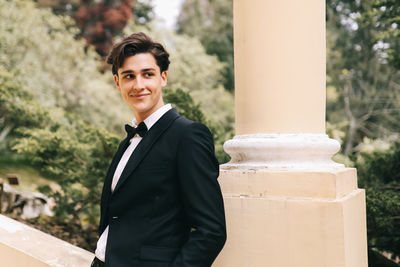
(161, 203)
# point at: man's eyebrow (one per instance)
(148, 69)
(127, 71)
(142, 70)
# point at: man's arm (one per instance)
(198, 170)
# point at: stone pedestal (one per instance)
(293, 219)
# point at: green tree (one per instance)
(143, 12)
(18, 107)
(363, 91)
(198, 73)
(389, 17)
(41, 51)
(212, 23)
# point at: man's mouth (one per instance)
(138, 96)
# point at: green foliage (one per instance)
(76, 156)
(375, 259)
(40, 50)
(380, 168)
(363, 95)
(67, 150)
(184, 103)
(379, 173)
(212, 23)
(17, 106)
(143, 12)
(389, 17)
(198, 73)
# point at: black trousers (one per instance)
(97, 263)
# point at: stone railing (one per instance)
(21, 246)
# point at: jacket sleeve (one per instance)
(198, 170)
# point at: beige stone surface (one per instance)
(355, 231)
(10, 257)
(279, 66)
(23, 246)
(301, 184)
(289, 230)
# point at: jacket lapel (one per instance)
(107, 182)
(114, 163)
(146, 143)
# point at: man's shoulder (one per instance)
(183, 122)
(186, 129)
(187, 124)
(182, 127)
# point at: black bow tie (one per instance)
(141, 130)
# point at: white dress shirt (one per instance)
(149, 121)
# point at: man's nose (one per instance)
(139, 85)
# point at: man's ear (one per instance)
(116, 80)
(164, 78)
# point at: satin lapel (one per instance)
(110, 174)
(146, 143)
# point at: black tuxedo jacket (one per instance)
(167, 208)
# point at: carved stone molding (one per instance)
(282, 152)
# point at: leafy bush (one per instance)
(66, 149)
(379, 173)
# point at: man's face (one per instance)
(140, 82)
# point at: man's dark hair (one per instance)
(137, 43)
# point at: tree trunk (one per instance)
(4, 133)
(350, 137)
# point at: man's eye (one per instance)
(148, 74)
(129, 76)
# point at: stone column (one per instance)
(280, 66)
(287, 203)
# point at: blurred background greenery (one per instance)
(61, 118)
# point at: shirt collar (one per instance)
(154, 117)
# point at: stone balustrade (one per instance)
(21, 246)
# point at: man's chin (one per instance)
(139, 107)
